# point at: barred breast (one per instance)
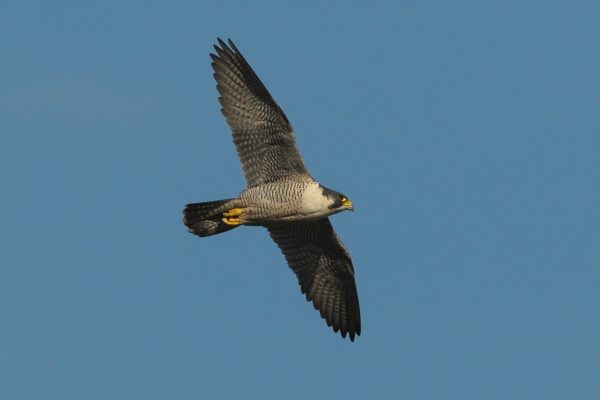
(276, 201)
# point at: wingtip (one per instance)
(232, 45)
(225, 46)
(351, 334)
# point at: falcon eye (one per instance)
(343, 199)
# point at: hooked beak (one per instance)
(348, 205)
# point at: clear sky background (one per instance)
(467, 134)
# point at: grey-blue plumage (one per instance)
(280, 195)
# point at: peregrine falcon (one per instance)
(280, 194)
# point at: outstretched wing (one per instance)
(262, 134)
(324, 269)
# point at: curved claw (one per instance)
(231, 221)
(234, 212)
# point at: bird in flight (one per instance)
(280, 194)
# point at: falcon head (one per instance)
(337, 201)
(319, 201)
(340, 203)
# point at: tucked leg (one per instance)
(232, 217)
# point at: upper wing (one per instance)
(262, 134)
(324, 270)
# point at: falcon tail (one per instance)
(202, 221)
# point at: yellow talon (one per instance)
(234, 212)
(231, 221)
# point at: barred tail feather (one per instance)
(201, 220)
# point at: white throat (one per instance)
(314, 203)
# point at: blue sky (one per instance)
(466, 134)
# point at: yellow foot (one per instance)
(231, 217)
(231, 221)
(234, 212)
